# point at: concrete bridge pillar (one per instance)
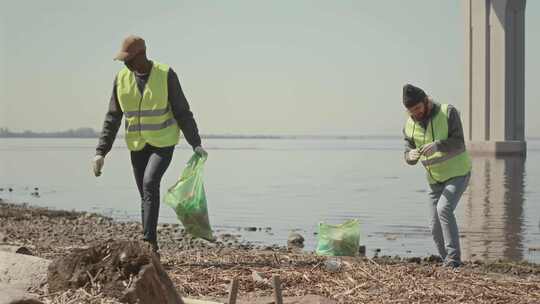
(494, 112)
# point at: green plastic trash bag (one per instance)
(188, 199)
(339, 240)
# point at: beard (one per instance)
(424, 115)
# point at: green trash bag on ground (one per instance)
(188, 199)
(339, 240)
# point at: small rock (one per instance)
(390, 237)
(258, 278)
(362, 250)
(295, 240)
(227, 237)
(15, 249)
(433, 259)
(333, 264)
(250, 228)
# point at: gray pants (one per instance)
(149, 165)
(444, 198)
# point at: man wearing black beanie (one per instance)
(434, 135)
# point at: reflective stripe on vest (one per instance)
(440, 166)
(148, 113)
(148, 116)
(151, 127)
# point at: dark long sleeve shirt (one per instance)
(455, 140)
(178, 104)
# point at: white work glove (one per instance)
(413, 155)
(97, 164)
(429, 149)
(200, 151)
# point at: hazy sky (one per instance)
(247, 67)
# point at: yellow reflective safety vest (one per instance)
(440, 166)
(148, 117)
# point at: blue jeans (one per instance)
(444, 198)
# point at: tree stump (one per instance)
(126, 270)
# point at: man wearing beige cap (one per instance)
(148, 94)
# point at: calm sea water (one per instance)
(290, 185)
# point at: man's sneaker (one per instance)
(452, 264)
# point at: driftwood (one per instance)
(233, 291)
(276, 284)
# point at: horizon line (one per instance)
(91, 133)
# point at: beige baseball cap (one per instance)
(131, 46)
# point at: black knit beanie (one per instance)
(412, 95)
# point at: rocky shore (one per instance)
(202, 269)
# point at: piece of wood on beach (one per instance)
(233, 291)
(276, 284)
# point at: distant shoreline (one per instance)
(270, 137)
(314, 137)
(90, 133)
